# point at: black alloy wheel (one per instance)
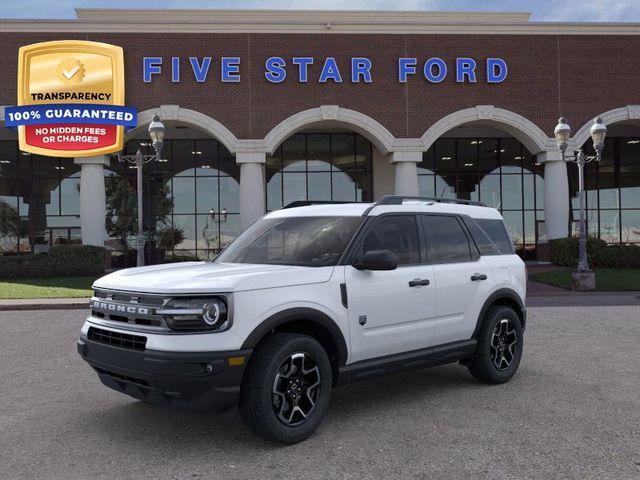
(500, 346)
(286, 388)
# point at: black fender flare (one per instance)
(502, 293)
(300, 313)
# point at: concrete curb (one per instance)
(45, 304)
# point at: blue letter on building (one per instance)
(230, 71)
(275, 69)
(151, 66)
(303, 64)
(200, 71)
(330, 71)
(465, 67)
(406, 66)
(428, 70)
(496, 70)
(360, 66)
(175, 69)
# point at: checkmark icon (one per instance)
(71, 73)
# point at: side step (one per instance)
(426, 357)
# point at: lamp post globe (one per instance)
(562, 133)
(598, 133)
(156, 133)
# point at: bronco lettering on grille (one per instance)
(116, 307)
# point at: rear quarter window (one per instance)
(497, 233)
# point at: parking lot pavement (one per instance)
(572, 411)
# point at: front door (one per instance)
(391, 311)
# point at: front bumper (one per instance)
(195, 381)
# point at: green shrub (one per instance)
(564, 252)
(61, 261)
(169, 237)
(618, 256)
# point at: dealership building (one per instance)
(263, 108)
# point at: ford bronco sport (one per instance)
(310, 297)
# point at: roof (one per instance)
(310, 21)
(358, 209)
(324, 210)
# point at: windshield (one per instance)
(303, 241)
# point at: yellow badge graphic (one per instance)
(71, 99)
(70, 71)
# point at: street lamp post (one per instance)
(562, 133)
(156, 133)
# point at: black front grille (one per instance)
(117, 339)
(131, 308)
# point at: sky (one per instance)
(542, 10)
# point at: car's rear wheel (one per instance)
(500, 344)
(286, 388)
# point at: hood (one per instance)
(206, 277)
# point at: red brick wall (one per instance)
(578, 76)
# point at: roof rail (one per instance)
(308, 203)
(398, 199)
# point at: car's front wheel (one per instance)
(286, 388)
(500, 345)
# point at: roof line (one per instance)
(314, 25)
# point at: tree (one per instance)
(122, 208)
(169, 237)
(9, 222)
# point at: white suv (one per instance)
(310, 297)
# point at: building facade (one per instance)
(263, 108)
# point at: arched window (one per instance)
(195, 188)
(320, 166)
(499, 172)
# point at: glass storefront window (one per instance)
(320, 166)
(499, 172)
(512, 192)
(630, 224)
(207, 194)
(612, 191)
(609, 226)
(630, 190)
(200, 179)
(319, 153)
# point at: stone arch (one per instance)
(197, 119)
(527, 132)
(374, 131)
(622, 114)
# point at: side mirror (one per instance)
(377, 260)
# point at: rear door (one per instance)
(463, 279)
(391, 311)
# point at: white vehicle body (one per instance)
(425, 306)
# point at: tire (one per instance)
(500, 344)
(279, 398)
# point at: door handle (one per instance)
(478, 276)
(418, 282)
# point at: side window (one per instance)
(447, 240)
(498, 233)
(398, 234)
(484, 243)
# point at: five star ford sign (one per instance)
(70, 99)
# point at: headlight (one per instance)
(196, 314)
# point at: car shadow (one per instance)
(138, 425)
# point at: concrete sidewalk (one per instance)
(44, 304)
